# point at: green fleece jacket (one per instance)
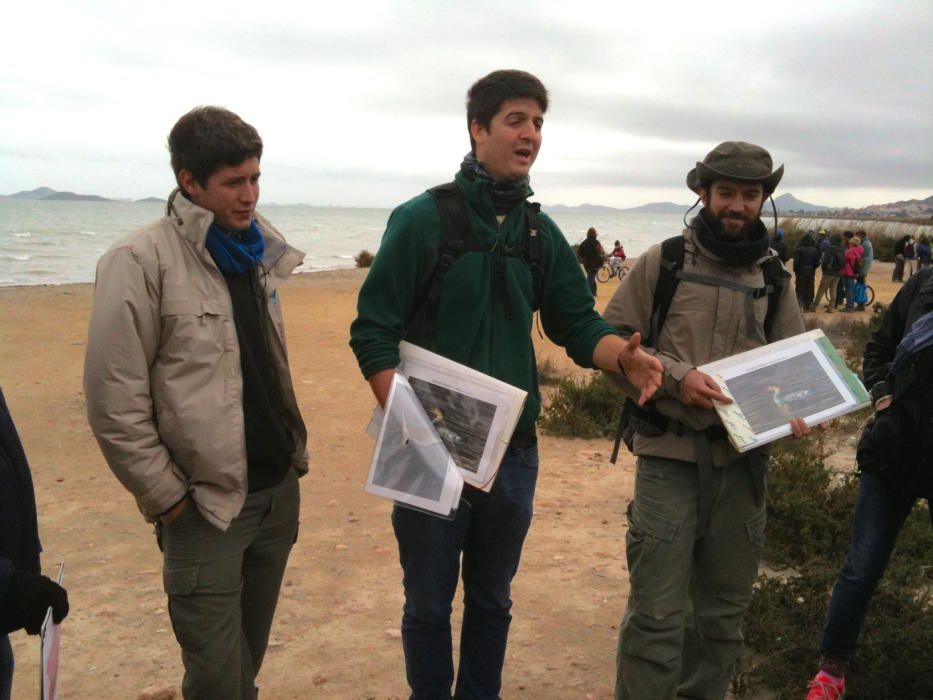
(471, 326)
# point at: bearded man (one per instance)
(696, 524)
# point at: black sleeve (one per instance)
(880, 349)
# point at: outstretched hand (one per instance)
(643, 371)
(699, 389)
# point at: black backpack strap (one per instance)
(456, 238)
(669, 276)
(533, 249)
(776, 278)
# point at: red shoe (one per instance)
(826, 687)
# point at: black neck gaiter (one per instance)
(752, 246)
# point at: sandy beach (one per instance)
(336, 631)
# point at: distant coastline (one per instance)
(918, 211)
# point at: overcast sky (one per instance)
(362, 104)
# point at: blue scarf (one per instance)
(919, 337)
(237, 252)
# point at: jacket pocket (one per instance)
(192, 326)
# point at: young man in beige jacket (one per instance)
(190, 398)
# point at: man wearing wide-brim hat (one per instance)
(696, 524)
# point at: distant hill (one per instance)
(653, 208)
(38, 193)
(72, 197)
(579, 209)
(907, 209)
(660, 208)
(47, 194)
(789, 203)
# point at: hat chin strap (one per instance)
(686, 225)
(774, 211)
(770, 198)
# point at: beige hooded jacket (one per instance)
(162, 373)
(704, 323)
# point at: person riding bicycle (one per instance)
(616, 257)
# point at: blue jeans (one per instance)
(489, 530)
(879, 515)
(591, 279)
(6, 667)
(849, 284)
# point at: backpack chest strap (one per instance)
(751, 293)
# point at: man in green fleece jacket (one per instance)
(484, 320)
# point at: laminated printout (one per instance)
(410, 464)
(798, 377)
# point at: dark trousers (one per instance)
(6, 667)
(591, 279)
(223, 588)
(489, 531)
(803, 285)
(879, 515)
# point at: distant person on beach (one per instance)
(893, 456)
(480, 313)
(897, 275)
(617, 257)
(190, 397)
(806, 261)
(618, 251)
(840, 294)
(923, 253)
(591, 254)
(831, 263)
(779, 246)
(25, 594)
(868, 253)
(697, 522)
(823, 243)
(910, 257)
(851, 270)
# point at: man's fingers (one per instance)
(799, 428)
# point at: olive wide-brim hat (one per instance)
(736, 160)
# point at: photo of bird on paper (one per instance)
(462, 421)
(795, 387)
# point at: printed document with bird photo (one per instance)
(443, 423)
(474, 414)
(798, 377)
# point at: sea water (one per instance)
(60, 242)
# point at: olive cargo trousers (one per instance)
(681, 633)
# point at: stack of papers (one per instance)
(798, 377)
(444, 425)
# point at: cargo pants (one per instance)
(223, 588)
(681, 633)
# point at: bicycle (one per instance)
(610, 270)
(869, 295)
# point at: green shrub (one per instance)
(784, 626)
(547, 372)
(363, 259)
(583, 408)
(807, 522)
(883, 247)
(808, 530)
